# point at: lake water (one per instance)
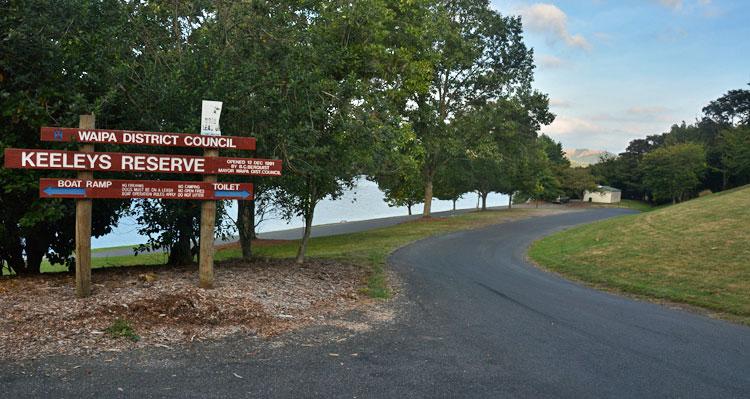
(363, 202)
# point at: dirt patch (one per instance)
(41, 316)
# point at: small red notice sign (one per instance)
(184, 190)
(130, 137)
(154, 163)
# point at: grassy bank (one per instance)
(695, 253)
(369, 248)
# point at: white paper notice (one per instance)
(210, 115)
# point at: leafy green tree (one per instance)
(333, 124)
(452, 181)
(671, 172)
(546, 185)
(51, 71)
(554, 151)
(498, 137)
(731, 108)
(723, 151)
(399, 176)
(477, 55)
(622, 171)
(160, 89)
(735, 154)
(576, 181)
(544, 163)
(552, 167)
(250, 51)
(403, 188)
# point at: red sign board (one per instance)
(184, 190)
(126, 137)
(125, 162)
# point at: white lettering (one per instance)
(27, 159)
(105, 161)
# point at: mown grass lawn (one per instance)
(696, 253)
(369, 248)
(637, 205)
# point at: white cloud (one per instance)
(552, 21)
(575, 132)
(554, 102)
(566, 125)
(679, 5)
(647, 110)
(551, 62)
(673, 4)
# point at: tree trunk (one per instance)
(510, 200)
(454, 204)
(306, 236)
(478, 197)
(484, 201)
(428, 196)
(36, 247)
(246, 227)
(17, 264)
(14, 255)
(180, 252)
(408, 206)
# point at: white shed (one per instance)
(605, 195)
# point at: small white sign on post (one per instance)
(210, 114)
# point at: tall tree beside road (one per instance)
(398, 174)
(478, 55)
(333, 121)
(452, 181)
(495, 138)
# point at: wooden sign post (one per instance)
(208, 221)
(85, 188)
(83, 222)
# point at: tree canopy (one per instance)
(424, 97)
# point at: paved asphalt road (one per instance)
(476, 320)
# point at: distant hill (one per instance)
(584, 156)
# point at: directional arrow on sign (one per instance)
(233, 194)
(53, 191)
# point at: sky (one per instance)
(619, 70)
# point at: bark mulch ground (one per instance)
(40, 316)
